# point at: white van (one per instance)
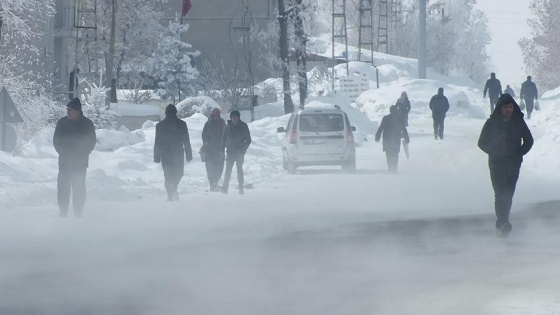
(318, 136)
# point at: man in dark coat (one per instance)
(236, 141)
(74, 139)
(393, 129)
(529, 94)
(506, 138)
(403, 107)
(494, 89)
(73, 83)
(509, 91)
(212, 149)
(439, 104)
(172, 145)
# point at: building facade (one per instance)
(216, 30)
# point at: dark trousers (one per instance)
(530, 104)
(71, 181)
(238, 159)
(438, 127)
(214, 170)
(493, 101)
(173, 169)
(504, 175)
(392, 161)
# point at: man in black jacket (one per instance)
(172, 145)
(439, 104)
(529, 94)
(506, 138)
(212, 149)
(74, 139)
(494, 89)
(236, 141)
(393, 129)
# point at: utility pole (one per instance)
(283, 44)
(110, 57)
(422, 41)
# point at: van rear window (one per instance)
(321, 122)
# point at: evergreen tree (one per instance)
(171, 65)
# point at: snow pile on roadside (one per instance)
(196, 104)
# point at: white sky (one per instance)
(507, 24)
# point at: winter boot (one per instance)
(241, 191)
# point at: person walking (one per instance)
(506, 138)
(509, 91)
(393, 129)
(172, 146)
(529, 94)
(236, 141)
(74, 139)
(212, 150)
(494, 89)
(403, 108)
(439, 104)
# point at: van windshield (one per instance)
(321, 122)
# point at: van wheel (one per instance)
(350, 165)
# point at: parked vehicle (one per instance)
(318, 136)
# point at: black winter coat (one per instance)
(237, 138)
(393, 129)
(403, 106)
(212, 135)
(439, 104)
(493, 87)
(172, 140)
(529, 90)
(506, 141)
(74, 141)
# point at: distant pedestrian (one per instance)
(236, 141)
(74, 139)
(509, 91)
(439, 104)
(393, 129)
(529, 94)
(212, 149)
(506, 138)
(171, 147)
(494, 89)
(403, 107)
(73, 84)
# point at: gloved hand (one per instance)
(157, 159)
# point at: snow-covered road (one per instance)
(318, 242)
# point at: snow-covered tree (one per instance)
(22, 23)
(171, 64)
(540, 50)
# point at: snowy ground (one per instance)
(318, 242)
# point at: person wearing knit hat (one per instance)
(506, 138)
(172, 146)
(74, 139)
(211, 152)
(236, 140)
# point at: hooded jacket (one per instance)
(502, 139)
